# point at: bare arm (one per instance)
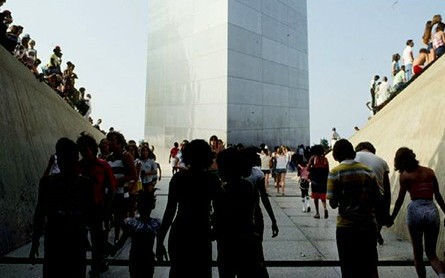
(266, 202)
(128, 162)
(400, 198)
(437, 195)
(167, 220)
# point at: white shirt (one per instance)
(377, 164)
(407, 55)
(382, 93)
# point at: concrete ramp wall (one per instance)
(32, 118)
(414, 119)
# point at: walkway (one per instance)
(302, 239)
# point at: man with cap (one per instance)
(55, 61)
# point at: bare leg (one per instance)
(431, 234)
(326, 215)
(317, 212)
(416, 238)
(277, 182)
(283, 181)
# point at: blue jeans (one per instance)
(408, 71)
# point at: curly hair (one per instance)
(405, 160)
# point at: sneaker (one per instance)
(317, 216)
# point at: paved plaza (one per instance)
(302, 238)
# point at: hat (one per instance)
(57, 49)
(26, 36)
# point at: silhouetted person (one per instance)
(61, 216)
(238, 242)
(142, 231)
(256, 177)
(103, 183)
(191, 193)
(352, 189)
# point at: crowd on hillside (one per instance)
(62, 81)
(434, 39)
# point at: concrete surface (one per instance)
(302, 239)
(32, 118)
(413, 119)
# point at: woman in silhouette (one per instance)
(190, 197)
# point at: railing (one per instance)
(278, 263)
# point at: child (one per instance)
(142, 231)
(304, 187)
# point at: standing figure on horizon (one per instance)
(372, 89)
(408, 59)
(335, 136)
(382, 93)
(395, 66)
(422, 215)
(61, 216)
(188, 212)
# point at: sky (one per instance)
(349, 42)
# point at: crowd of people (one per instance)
(412, 66)
(113, 185)
(22, 46)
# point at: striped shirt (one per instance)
(353, 187)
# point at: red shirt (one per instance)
(174, 152)
(102, 176)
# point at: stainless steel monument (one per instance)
(234, 68)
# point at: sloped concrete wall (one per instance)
(32, 118)
(414, 119)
